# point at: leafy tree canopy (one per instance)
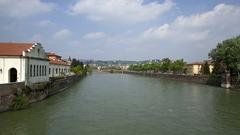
(226, 56)
(165, 65)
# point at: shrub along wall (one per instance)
(16, 96)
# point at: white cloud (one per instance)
(121, 10)
(24, 8)
(62, 34)
(218, 23)
(45, 23)
(95, 35)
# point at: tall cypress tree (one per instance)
(205, 68)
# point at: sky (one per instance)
(121, 29)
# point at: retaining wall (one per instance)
(57, 84)
(191, 78)
(6, 93)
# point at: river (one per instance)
(122, 104)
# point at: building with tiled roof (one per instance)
(23, 62)
(58, 66)
(195, 68)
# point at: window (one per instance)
(45, 70)
(40, 70)
(37, 70)
(56, 70)
(34, 70)
(30, 70)
(49, 71)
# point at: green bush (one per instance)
(19, 102)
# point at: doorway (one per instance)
(13, 75)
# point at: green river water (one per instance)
(122, 104)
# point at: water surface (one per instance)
(121, 104)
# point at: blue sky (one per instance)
(121, 29)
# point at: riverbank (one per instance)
(17, 96)
(181, 77)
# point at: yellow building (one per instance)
(195, 68)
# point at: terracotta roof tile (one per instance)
(13, 49)
(58, 62)
(52, 54)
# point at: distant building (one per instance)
(57, 66)
(124, 67)
(23, 62)
(195, 68)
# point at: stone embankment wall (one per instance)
(9, 91)
(60, 84)
(190, 78)
(6, 94)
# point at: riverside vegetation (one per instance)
(225, 59)
(78, 67)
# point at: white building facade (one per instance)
(23, 62)
(57, 66)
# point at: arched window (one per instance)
(56, 70)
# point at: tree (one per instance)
(227, 56)
(76, 62)
(165, 64)
(77, 70)
(178, 66)
(77, 67)
(205, 68)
